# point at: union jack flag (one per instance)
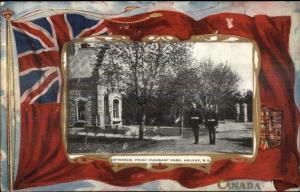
(38, 45)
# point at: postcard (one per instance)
(158, 96)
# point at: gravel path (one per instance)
(230, 137)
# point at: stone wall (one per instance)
(82, 89)
(99, 103)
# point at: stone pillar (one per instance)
(245, 112)
(110, 109)
(101, 105)
(237, 106)
(88, 110)
(120, 110)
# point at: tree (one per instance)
(204, 83)
(217, 82)
(152, 73)
(136, 69)
(180, 88)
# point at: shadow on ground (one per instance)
(245, 142)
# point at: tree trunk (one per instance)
(181, 115)
(86, 136)
(181, 123)
(142, 125)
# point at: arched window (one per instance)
(116, 108)
(81, 110)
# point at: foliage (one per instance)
(159, 80)
(136, 69)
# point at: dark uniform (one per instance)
(195, 119)
(211, 120)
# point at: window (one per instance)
(81, 110)
(116, 108)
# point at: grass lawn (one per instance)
(161, 131)
(76, 144)
(132, 130)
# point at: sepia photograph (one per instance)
(159, 97)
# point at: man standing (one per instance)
(211, 120)
(195, 119)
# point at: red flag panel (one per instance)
(43, 159)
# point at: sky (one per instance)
(80, 65)
(237, 55)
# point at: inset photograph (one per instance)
(160, 97)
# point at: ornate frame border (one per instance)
(209, 38)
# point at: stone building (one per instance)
(91, 103)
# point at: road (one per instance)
(230, 138)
